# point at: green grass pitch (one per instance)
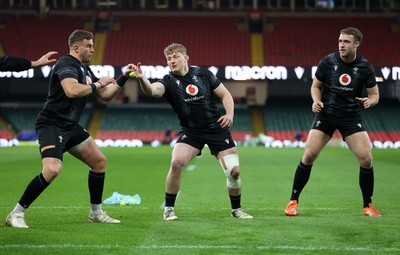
(330, 219)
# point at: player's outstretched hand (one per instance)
(138, 70)
(128, 71)
(45, 59)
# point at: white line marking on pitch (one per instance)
(189, 247)
(183, 208)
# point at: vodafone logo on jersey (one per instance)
(192, 90)
(345, 79)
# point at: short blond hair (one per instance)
(175, 47)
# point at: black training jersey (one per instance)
(193, 99)
(59, 109)
(14, 64)
(343, 82)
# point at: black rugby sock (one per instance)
(235, 201)
(33, 190)
(170, 199)
(300, 180)
(96, 185)
(366, 181)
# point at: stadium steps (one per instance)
(2, 53)
(88, 25)
(257, 120)
(95, 120)
(257, 59)
(100, 40)
(257, 50)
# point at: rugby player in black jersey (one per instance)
(193, 93)
(338, 94)
(58, 129)
(16, 64)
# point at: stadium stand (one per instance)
(143, 38)
(30, 36)
(139, 119)
(149, 124)
(204, 35)
(383, 121)
(211, 40)
(284, 121)
(21, 118)
(5, 135)
(146, 124)
(319, 40)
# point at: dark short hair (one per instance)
(79, 36)
(354, 32)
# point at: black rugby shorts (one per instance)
(217, 140)
(54, 141)
(346, 126)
